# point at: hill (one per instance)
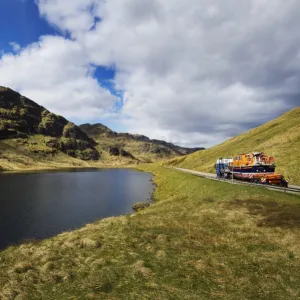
(135, 146)
(279, 138)
(31, 137)
(29, 133)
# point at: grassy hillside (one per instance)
(14, 156)
(200, 240)
(279, 138)
(29, 133)
(138, 147)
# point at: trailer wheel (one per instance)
(284, 183)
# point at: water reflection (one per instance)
(40, 205)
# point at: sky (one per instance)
(193, 72)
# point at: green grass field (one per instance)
(279, 138)
(33, 154)
(201, 239)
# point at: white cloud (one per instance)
(196, 69)
(193, 72)
(73, 16)
(15, 46)
(57, 74)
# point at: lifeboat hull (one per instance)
(253, 169)
(260, 177)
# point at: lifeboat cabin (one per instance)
(253, 163)
(256, 167)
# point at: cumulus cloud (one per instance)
(15, 46)
(74, 17)
(56, 73)
(193, 72)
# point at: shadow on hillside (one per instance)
(273, 213)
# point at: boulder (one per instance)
(140, 206)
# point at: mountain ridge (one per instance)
(33, 137)
(140, 146)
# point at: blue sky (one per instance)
(176, 64)
(21, 23)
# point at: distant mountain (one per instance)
(32, 137)
(135, 146)
(34, 129)
(279, 138)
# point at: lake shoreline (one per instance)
(71, 168)
(48, 203)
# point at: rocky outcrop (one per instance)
(158, 148)
(97, 130)
(140, 206)
(21, 117)
(115, 151)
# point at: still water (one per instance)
(40, 205)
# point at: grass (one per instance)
(279, 138)
(201, 239)
(14, 155)
(142, 151)
(34, 154)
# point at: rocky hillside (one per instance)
(279, 138)
(32, 137)
(33, 128)
(135, 146)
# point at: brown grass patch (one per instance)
(273, 213)
(23, 267)
(140, 268)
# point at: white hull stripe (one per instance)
(252, 173)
